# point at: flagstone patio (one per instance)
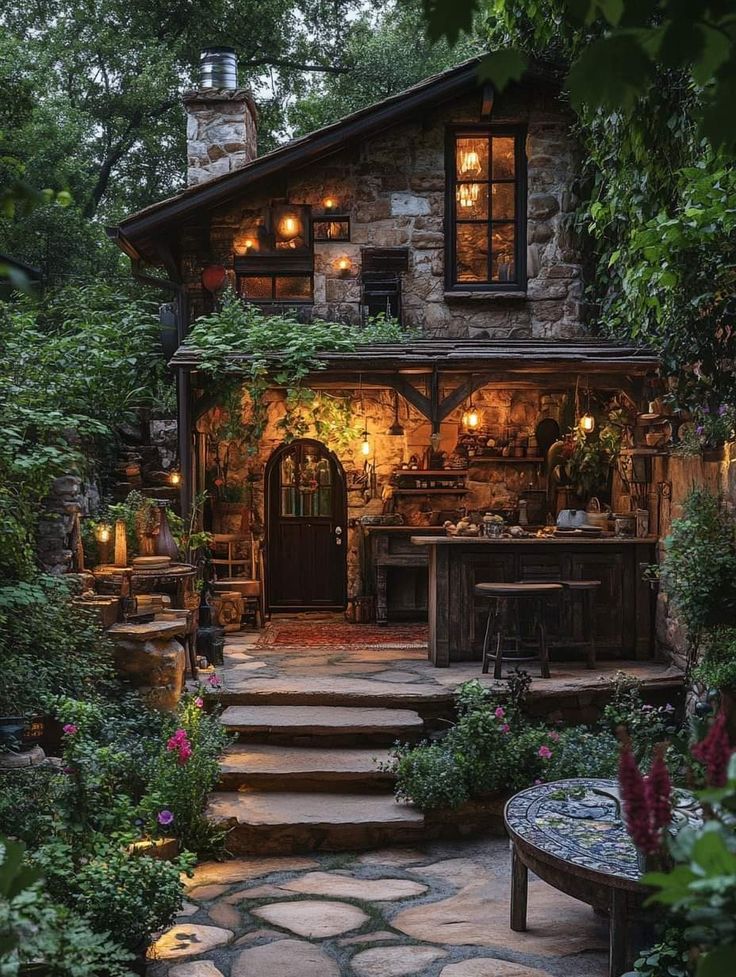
(438, 910)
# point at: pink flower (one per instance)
(554, 736)
(180, 744)
(537, 782)
(70, 729)
(635, 803)
(505, 728)
(715, 752)
(214, 681)
(164, 817)
(544, 752)
(199, 702)
(500, 712)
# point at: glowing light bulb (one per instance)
(473, 417)
(343, 264)
(365, 445)
(289, 227)
(175, 478)
(587, 423)
(329, 203)
(470, 163)
(103, 533)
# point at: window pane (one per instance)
(331, 230)
(504, 163)
(472, 201)
(294, 287)
(503, 201)
(256, 287)
(503, 264)
(472, 252)
(471, 159)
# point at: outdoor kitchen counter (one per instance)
(623, 612)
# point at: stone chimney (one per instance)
(221, 119)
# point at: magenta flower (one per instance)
(179, 743)
(500, 712)
(70, 729)
(544, 752)
(214, 681)
(554, 736)
(199, 702)
(164, 817)
(505, 728)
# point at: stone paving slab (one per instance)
(449, 918)
(254, 762)
(288, 809)
(318, 721)
(332, 689)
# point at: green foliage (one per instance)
(36, 931)
(50, 647)
(699, 893)
(668, 958)
(717, 668)
(181, 788)
(284, 352)
(699, 566)
(617, 49)
(646, 725)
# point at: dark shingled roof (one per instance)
(505, 356)
(134, 233)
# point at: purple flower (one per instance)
(214, 681)
(199, 702)
(699, 429)
(164, 817)
(70, 729)
(669, 707)
(723, 409)
(544, 752)
(500, 712)
(705, 409)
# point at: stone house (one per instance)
(448, 206)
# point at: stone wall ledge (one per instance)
(476, 297)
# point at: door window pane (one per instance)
(472, 252)
(305, 483)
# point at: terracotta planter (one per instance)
(714, 454)
(229, 517)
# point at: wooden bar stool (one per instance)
(500, 629)
(585, 591)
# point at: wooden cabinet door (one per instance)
(615, 600)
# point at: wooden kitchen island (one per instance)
(624, 606)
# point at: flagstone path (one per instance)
(438, 910)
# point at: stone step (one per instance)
(326, 691)
(264, 822)
(266, 767)
(326, 726)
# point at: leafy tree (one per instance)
(616, 49)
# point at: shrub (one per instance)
(580, 752)
(430, 776)
(717, 669)
(125, 894)
(699, 567)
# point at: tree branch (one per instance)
(297, 66)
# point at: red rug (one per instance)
(302, 634)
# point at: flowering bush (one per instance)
(182, 773)
(711, 429)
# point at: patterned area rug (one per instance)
(304, 634)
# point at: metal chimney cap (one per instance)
(218, 68)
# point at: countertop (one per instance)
(531, 540)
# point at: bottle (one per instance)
(523, 517)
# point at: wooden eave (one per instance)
(522, 359)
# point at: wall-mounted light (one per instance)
(343, 264)
(242, 245)
(329, 203)
(175, 478)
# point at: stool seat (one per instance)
(580, 584)
(524, 589)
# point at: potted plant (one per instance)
(584, 461)
(708, 431)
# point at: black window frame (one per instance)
(453, 133)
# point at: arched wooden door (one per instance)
(307, 528)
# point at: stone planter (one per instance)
(230, 517)
(152, 660)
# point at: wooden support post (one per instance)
(519, 891)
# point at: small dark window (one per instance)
(486, 209)
(381, 295)
(283, 289)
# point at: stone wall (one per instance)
(393, 188)
(221, 132)
(487, 483)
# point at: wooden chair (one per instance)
(238, 566)
(502, 628)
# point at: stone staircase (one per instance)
(304, 773)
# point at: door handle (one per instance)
(338, 530)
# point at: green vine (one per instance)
(257, 351)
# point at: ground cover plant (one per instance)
(495, 748)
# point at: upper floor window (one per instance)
(486, 209)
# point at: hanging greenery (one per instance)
(257, 351)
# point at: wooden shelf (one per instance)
(431, 491)
(423, 472)
(505, 460)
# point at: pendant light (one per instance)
(587, 421)
(396, 430)
(471, 414)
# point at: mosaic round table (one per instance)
(570, 834)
